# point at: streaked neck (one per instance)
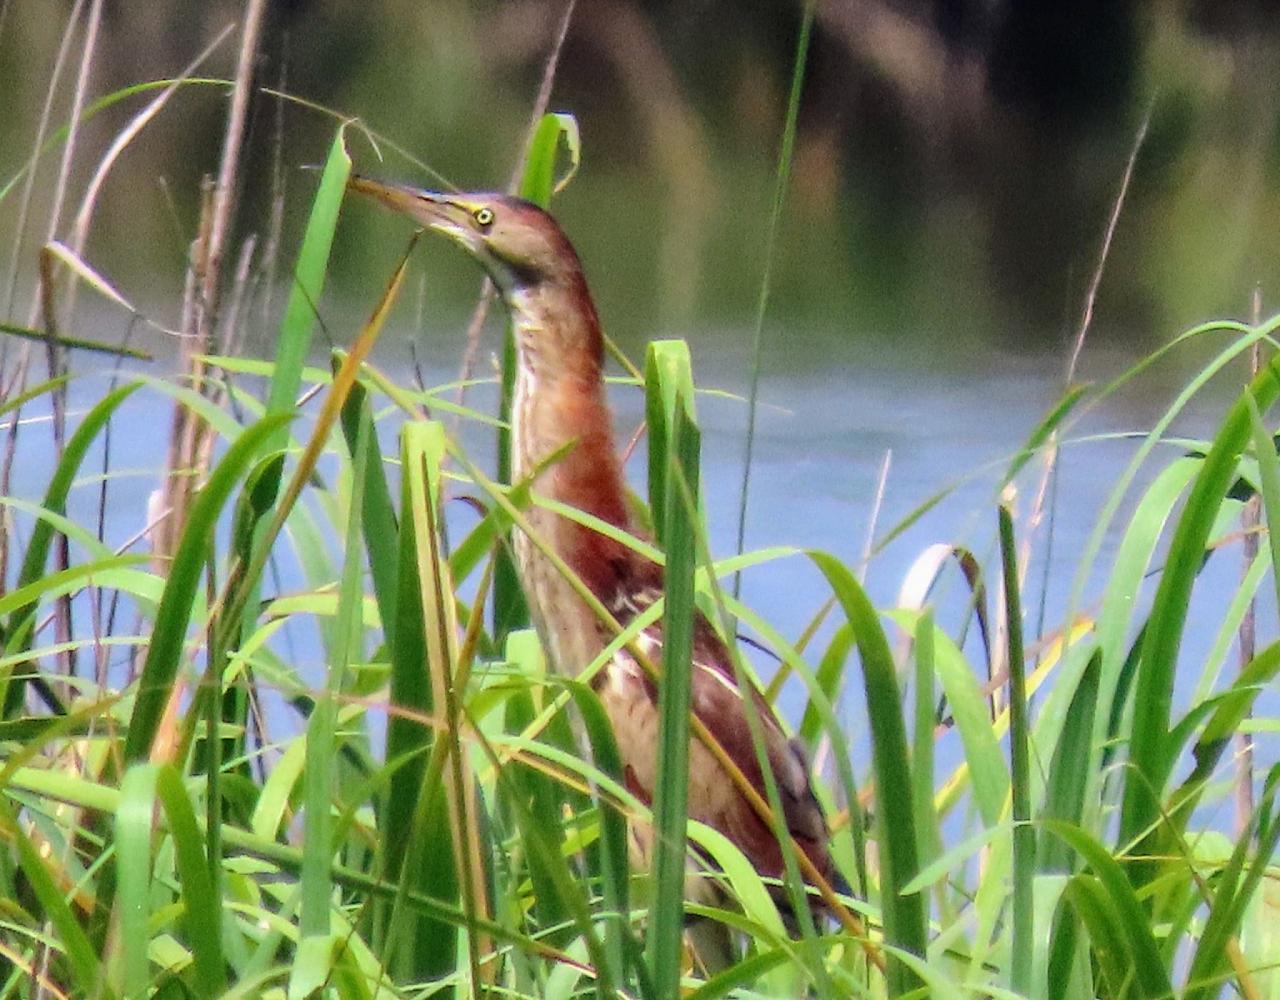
(560, 401)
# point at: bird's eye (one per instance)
(484, 217)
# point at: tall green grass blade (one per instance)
(903, 913)
(540, 795)
(782, 180)
(668, 376)
(143, 784)
(988, 772)
(1132, 927)
(318, 775)
(1149, 753)
(381, 530)
(929, 843)
(425, 450)
(164, 652)
(1064, 796)
(1024, 842)
(426, 948)
(670, 804)
(294, 342)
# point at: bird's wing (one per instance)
(717, 700)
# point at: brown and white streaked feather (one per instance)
(631, 699)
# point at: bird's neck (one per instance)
(560, 404)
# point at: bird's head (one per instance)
(518, 243)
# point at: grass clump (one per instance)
(186, 810)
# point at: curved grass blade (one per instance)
(174, 614)
(1095, 911)
(141, 786)
(538, 182)
(1064, 796)
(1149, 753)
(381, 530)
(904, 915)
(294, 341)
(1150, 975)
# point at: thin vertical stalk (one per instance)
(1250, 521)
(1024, 844)
(766, 279)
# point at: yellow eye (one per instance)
(484, 217)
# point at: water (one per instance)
(826, 424)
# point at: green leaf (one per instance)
(670, 803)
(142, 785)
(294, 342)
(1064, 797)
(381, 530)
(1127, 923)
(538, 182)
(904, 914)
(1149, 753)
(1024, 842)
(185, 576)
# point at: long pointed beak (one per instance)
(429, 208)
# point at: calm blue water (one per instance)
(825, 426)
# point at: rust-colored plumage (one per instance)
(559, 401)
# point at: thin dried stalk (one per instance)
(191, 442)
(1038, 506)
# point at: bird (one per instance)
(559, 405)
